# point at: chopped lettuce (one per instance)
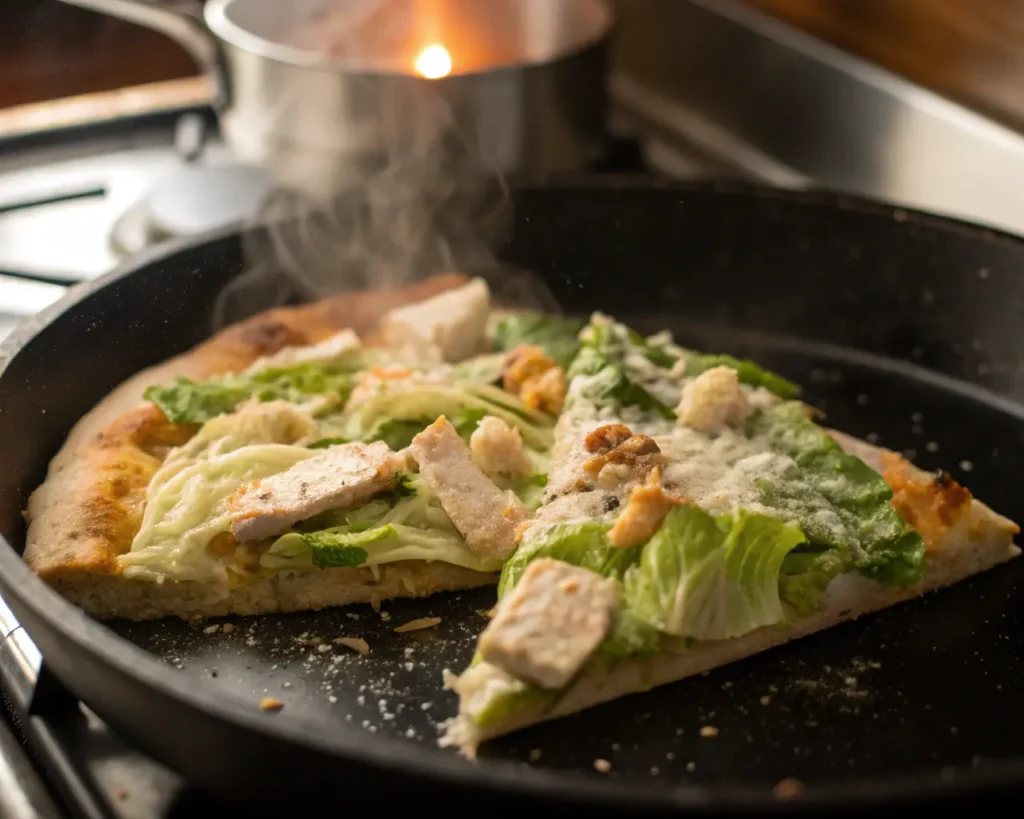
(397, 414)
(747, 371)
(604, 372)
(480, 369)
(806, 575)
(879, 542)
(582, 544)
(407, 523)
(338, 547)
(711, 578)
(190, 402)
(555, 335)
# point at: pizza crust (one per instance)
(89, 508)
(978, 540)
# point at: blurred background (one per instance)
(111, 140)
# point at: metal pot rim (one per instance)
(227, 30)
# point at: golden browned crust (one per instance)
(89, 508)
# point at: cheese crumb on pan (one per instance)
(271, 704)
(357, 644)
(418, 625)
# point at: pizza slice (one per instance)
(696, 513)
(273, 467)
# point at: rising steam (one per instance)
(420, 199)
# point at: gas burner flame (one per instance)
(434, 62)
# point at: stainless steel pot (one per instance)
(303, 87)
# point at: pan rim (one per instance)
(396, 755)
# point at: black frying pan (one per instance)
(898, 324)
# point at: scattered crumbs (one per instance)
(286, 685)
(332, 699)
(726, 685)
(851, 682)
(385, 616)
(983, 273)
(872, 438)
(766, 700)
(410, 650)
(271, 704)
(670, 756)
(654, 770)
(213, 673)
(483, 613)
(916, 417)
(679, 732)
(602, 765)
(121, 793)
(862, 400)
(410, 733)
(352, 615)
(410, 666)
(251, 641)
(323, 648)
(361, 699)
(966, 466)
(426, 706)
(788, 789)
(273, 667)
(691, 767)
(932, 446)
(228, 628)
(211, 629)
(418, 624)
(615, 746)
(708, 731)
(535, 755)
(357, 644)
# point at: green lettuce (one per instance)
(711, 578)
(339, 547)
(747, 371)
(878, 542)
(581, 544)
(555, 335)
(189, 402)
(806, 575)
(610, 381)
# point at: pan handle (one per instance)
(182, 21)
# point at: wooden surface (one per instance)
(50, 50)
(969, 50)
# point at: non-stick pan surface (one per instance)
(853, 300)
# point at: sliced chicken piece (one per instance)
(497, 448)
(455, 322)
(486, 516)
(549, 625)
(342, 476)
(328, 351)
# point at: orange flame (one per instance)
(434, 62)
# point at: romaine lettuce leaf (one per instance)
(582, 544)
(806, 575)
(711, 578)
(881, 544)
(190, 402)
(341, 547)
(555, 335)
(747, 371)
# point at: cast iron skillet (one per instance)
(901, 326)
